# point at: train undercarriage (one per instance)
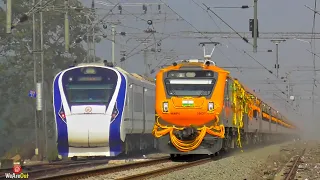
(213, 145)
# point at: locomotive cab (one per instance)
(190, 93)
(189, 98)
(89, 90)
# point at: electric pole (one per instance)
(277, 42)
(113, 43)
(9, 16)
(255, 26)
(93, 31)
(42, 77)
(66, 26)
(36, 151)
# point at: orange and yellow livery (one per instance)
(200, 109)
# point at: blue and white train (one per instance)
(102, 110)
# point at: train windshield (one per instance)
(79, 94)
(89, 85)
(190, 83)
(190, 87)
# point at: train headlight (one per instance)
(115, 112)
(210, 106)
(62, 115)
(165, 107)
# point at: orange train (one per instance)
(201, 109)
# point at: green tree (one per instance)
(16, 64)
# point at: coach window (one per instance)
(226, 93)
(150, 104)
(138, 104)
(255, 114)
(127, 99)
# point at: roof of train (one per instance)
(133, 75)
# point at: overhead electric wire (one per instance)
(210, 39)
(234, 45)
(271, 72)
(230, 41)
(220, 31)
(314, 55)
(138, 17)
(165, 33)
(93, 25)
(146, 47)
(244, 38)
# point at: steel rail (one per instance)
(41, 164)
(47, 168)
(166, 170)
(294, 168)
(106, 170)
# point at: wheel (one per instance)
(74, 158)
(172, 156)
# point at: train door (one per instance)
(129, 103)
(149, 110)
(270, 115)
(277, 123)
(137, 109)
(144, 97)
(228, 115)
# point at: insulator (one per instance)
(144, 8)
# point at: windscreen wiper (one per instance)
(171, 90)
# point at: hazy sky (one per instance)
(273, 15)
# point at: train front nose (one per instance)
(89, 130)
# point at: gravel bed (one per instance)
(237, 166)
(274, 164)
(309, 168)
(134, 171)
(115, 163)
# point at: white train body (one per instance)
(102, 111)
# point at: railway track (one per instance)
(182, 163)
(105, 170)
(50, 168)
(51, 164)
(290, 169)
(166, 170)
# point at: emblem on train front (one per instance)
(88, 110)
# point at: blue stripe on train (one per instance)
(115, 142)
(62, 131)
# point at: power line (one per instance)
(210, 39)
(244, 38)
(314, 55)
(262, 35)
(243, 50)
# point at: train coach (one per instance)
(101, 110)
(201, 109)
